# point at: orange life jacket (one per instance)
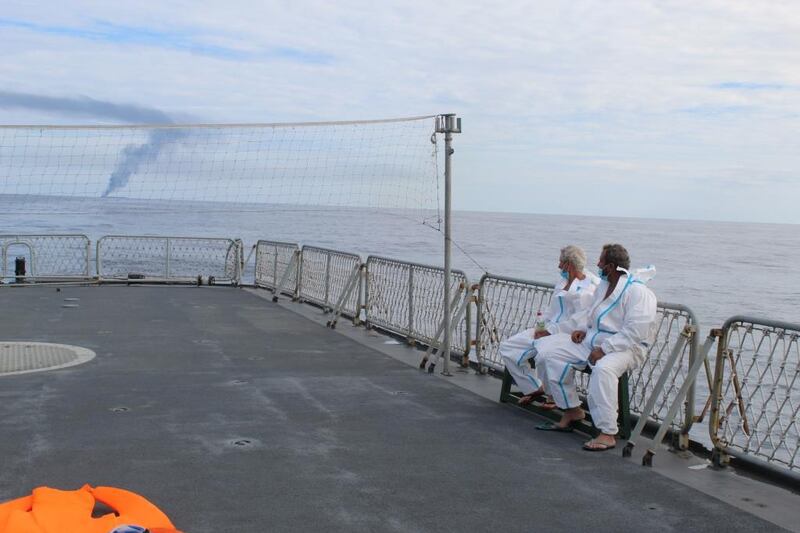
(49, 510)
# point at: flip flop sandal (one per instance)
(550, 426)
(527, 399)
(598, 446)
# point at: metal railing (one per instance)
(672, 321)
(505, 306)
(407, 299)
(509, 305)
(324, 276)
(754, 396)
(277, 265)
(174, 259)
(755, 401)
(234, 260)
(47, 257)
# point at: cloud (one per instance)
(712, 110)
(542, 89)
(108, 32)
(750, 86)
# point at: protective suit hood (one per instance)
(642, 275)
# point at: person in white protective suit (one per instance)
(573, 292)
(612, 335)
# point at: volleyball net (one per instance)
(378, 164)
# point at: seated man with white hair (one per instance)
(612, 336)
(573, 292)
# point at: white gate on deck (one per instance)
(47, 257)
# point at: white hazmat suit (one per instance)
(516, 351)
(622, 325)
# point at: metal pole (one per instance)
(361, 299)
(169, 248)
(88, 254)
(365, 286)
(275, 270)
(410, 334)
(240, 261)
(33, 264)
(299, 284)
(447, 124)
(694, 352)
(97, 256)
(448, 177)
(327, 278)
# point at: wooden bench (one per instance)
(586, 426)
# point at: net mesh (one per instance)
(379, 165)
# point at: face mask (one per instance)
(602, 274)
(565, 274)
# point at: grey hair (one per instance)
(616, 254)
(574, 255)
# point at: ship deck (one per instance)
(237, 414)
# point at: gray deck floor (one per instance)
(342, 437)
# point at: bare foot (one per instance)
(571, 415)
(600, 443)
(548, 404)
(528, 398)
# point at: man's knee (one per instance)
(611, 365)
(507, 360)
(604, 372)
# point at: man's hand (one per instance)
(578, 336)
(596, 355)
(540, 334)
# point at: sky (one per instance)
(636, 108)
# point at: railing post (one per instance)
(245, 262)
(239, 261)
(360, 295)
(694, 353)
(327, 279)
(88, 253)
(365, 301)
(97, 256)
(479, 326)
(410, 304)
(33, 262)
(469, 295)
(169, 250)
(298, 282)
(275, 268)
(719, 457)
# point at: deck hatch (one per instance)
(25, 357)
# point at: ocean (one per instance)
(718, 269)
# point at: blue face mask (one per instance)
(565, 274)
(602, 274)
